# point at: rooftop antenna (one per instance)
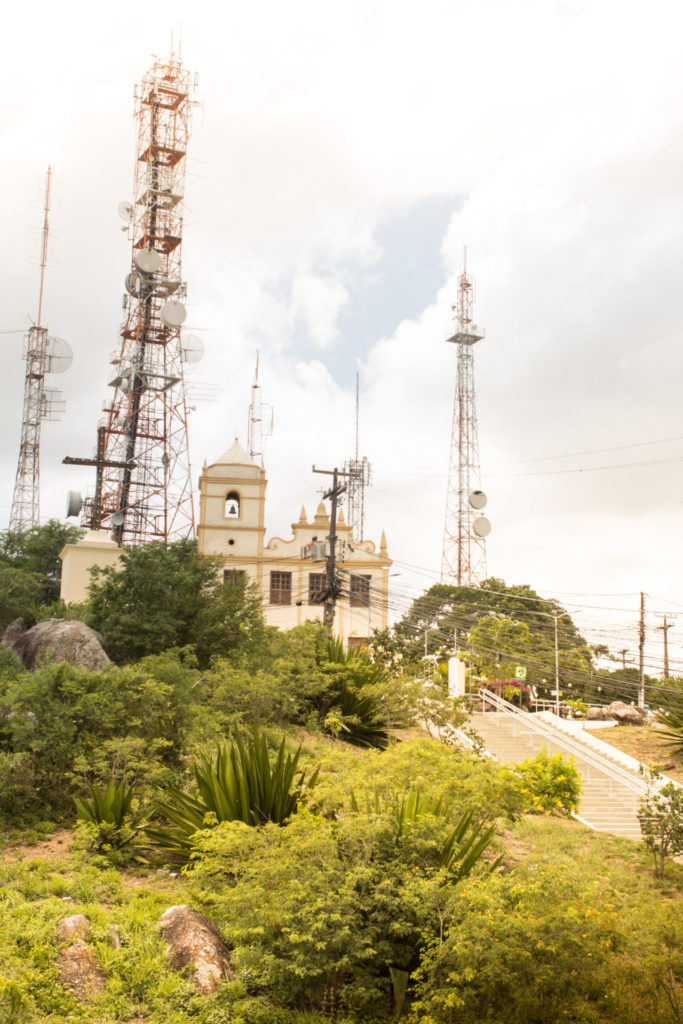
(260, 423)
(463, 560)
(43, 354)
(359, 476)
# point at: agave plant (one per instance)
(463, 847)
(237, 784)
(672, 733)
(111, 812)
(345, 711)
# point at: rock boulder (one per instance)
(76, 926)
(79, 970)
(60, 640)
(596, 715)
(195, 942)
(625, 714)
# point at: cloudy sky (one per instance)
(340, 158)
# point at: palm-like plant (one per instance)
(672, 733)
(238, 784)
(117, 823)
(463, 847)
(344, 709)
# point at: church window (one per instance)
(280, 588)
(316, 588)
(359, 591)
(233, 577)
(232, 505)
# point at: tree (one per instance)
(36, 552)
(440, 613)
(163, 596)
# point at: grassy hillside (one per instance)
(573, 925)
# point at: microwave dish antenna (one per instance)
(173, 313)
(191, 348)
(125, 211)
(148, 261)
(59, 355)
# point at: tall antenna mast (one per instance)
(463, 560)
(143, 463)
(43, 355)
(359, 475)
(260, 423)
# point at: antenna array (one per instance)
(358, 476)
(463, 560)
(260, 423)
(143, 458)
(44, 355)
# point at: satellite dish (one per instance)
(59, 355)
(191, 348)
(481, 527)
(173, 313)
(125, 211)
(148, 261)
(74, 504)
(134, 283)
(478, 500)
(118, 519)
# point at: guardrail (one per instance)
(613, 771)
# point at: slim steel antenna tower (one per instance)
(359, 475)
(149, 496)
(463, 561)
(43, 355)
(260, 423)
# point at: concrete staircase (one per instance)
(611, 793)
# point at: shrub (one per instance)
(551, 783)
(115, 822)
(239, 784)
(661, 821)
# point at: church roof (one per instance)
(235, 456)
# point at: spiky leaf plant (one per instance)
(237, 784)
(114, 821)
(464, 846)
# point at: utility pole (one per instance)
(331, 581)
(664, 628)
(623, 652)
(641, 653)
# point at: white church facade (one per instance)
(232, 496)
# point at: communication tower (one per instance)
(260, 423)
(44, 355)
(463, 561)
(143, 464)
(358, 476)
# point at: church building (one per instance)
(289, 573)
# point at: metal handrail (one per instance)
(613, 771)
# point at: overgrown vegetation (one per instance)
(357, 875)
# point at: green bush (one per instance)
(238, 784)
(114, 821)
(77, 726)
(551, 784)
(17, 784)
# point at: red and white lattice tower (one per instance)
(149, 496)
(463, 561)
(43, 355)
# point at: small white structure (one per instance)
(232, 526)
(95, 548)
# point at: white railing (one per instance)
(613, 771)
